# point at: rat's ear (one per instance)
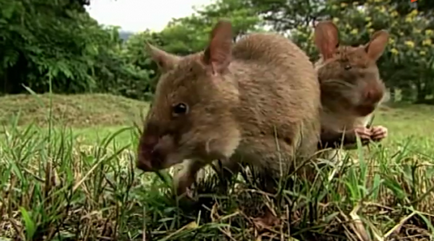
(376, 46)
(326, 38)
(217, 55)
(164, 60)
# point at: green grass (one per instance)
(73, 110)
(79, 182)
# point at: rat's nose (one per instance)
(143, 165)
(150, 157)
(150, 161)
(146, 145)
(374, 91)
(144, 158)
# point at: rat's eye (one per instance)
(347, 67)
(180, 109)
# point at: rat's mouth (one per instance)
(144, 166)
(149, 159)
(152, 161)
(148, 164)
(364, 110)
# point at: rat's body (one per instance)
(239, 104)
(285, 108)
(351, 87)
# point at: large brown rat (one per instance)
(254, 102)
(351, 87)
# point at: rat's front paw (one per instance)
(364, 133)
(183, 182)
(378, 133)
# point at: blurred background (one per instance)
(60, 41)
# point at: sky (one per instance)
(139, 15)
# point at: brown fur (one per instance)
(245, 101)
(351, 88)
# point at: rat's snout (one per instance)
(157, 148)
(374, 90)
(374, 95)
(149, 155)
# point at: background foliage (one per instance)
(58, 40)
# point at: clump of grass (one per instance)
(380, 195)
(52, 189)
(55, 187)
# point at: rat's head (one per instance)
(191, 115)
(348, 69)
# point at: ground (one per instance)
(77, 181)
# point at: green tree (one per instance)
(41, 40)
(286, 15)
(188, 35)
(59, 41)
(134, 52)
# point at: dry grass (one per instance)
(58, 186)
